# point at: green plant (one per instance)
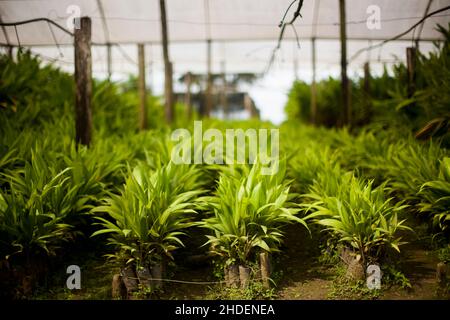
(150, 213)
(444, 254)
(413, 165)
(308, 162)
(343, 288)
(34, 208)
(254, 291)
(435, 196)
(393, 276)
(249, 211)
(359, 215)
(328, 102)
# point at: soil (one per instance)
(304, 278)
(298, 272)
(419, 266)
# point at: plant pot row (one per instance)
(130, 280)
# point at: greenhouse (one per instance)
(224, 150)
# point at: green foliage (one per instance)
(151, 212)
(249, 210)
(344, 288)
(411, 166)
(328, 102)
(389, 101)
(31, 94)
(254, 291)
(34, 208)
(358, 214)
(298, 105)
(435, 196)
(444, 254)
(308, 163)
(393, 276)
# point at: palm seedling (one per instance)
(249, 211)
(147, 219)
(436, 196)
(306, 165)
(411, 166)
(33, 209)
(359, 215)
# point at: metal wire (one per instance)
(400, 34)
(18, 23)
(54, 39)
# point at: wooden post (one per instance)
(83, 79)
(8, 43)
(264, 259)
(118, 289)
(295, 62)
(441, 274)
(130, 281)
(188, 96)
(411, 65)
(248, 104)
(109, 60)
(233, 276)
(142, 88)
(367, 94)
(344, 79)
(209, 98)
(313, 84)
(244, 276)
(224, 96)
(168, 81)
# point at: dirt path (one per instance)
(419, 266)
(186, 291)
(300, 275)
(303, 276)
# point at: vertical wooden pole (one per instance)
(168, 81)
(344, 79)
(83, 79)
(264, 259)
(224, 96)
(295, 62)
(313, 84)
(109, 60)
(188, 96)
(8, 44)
(367, 93)
(209, 98)
(411, 65)
(142, 88)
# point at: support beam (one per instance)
(142, 88)
(8, 43)
(109, 60)
(313, 84)
(411, 65)
(209, 98)
(295, 61)
(367, 93)
(347, 113)
(188, 95)
(224, 96)
(83, 79)
(168, 81)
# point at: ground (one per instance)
(303, 276)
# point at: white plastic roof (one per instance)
(243, 33)
(134, 21)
